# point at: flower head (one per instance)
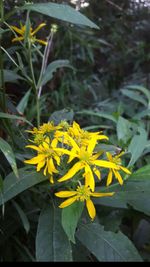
(22, 31)
(82, 193)
(117, 160)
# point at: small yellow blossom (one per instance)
(21, 31)
(47, 154)
(87, 160)
(82, 193)
(116, 159)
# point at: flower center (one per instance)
(83, 193)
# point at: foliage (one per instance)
(74, 104)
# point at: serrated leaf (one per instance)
(13, 186)
(107, 246)
(70, 218)
(61, 12)
(52, 67)
(137, 146)
(9, 155)
(52, 244)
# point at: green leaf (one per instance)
(135, 96)
(14, 117)
(70, 218)
(137, 146)
(23, 217)
(61, 12)
(8, 153)
(11, 76)
(52, 67)
(52, 244)
(123, 129)
(107, 246)
(98, 114)
(63, 114)
(141, 89)
(23, 102)
(134, 192)
(13, 186)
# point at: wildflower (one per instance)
(21, 31)
(116, 159)
(87, 160)
(46, 157)
(82, 193)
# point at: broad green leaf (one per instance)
(123, 129)
(23, 102)
(52, 244)
(135, 96)
(137, 146)
(9, 154)
(14, 117)
(70, 218)
(61, 12)
(98, 114)
(52, 67)
(13, 186)
(23, 216)
(107, 246)
(135, 191)
(11, 76)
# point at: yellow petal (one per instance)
(51, 179)
(51, 166)
(90, 208)
(16, 39)
(68, 202)
(109, 178)
(41, 41)
(40, 165)
(20, 31)
(118, 177)
(109, 156)
(100, 137)
(38, 28)
(66, 193)
(92, 145)
(34, 147)
(105, 164)
(35, 160)
(97, 173)
(102, 194)
(89, 177)
(76, 167)
(125, 170)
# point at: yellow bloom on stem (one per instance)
(46, 157)
(116, 159)
(87, 160)
(82, 193)
(21, 31)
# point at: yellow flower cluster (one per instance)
(75, 147)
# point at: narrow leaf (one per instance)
(23, 102)
(9, 154)
(11, 76)
(23, 216)
(52, 244)
(13, 117)
(98, 114)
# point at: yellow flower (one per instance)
(82, 193)
(47, 154)
(48, 127)
(87, 161)
(116, 159)
(32, 33)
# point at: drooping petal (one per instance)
(109, 178)
(89, 177)
(76, 167)
(97, 173)
(51, 179)
(100, 137)
(40, 165)
(20, 31)
(118, 177)
(41, 41)
(51, 166)
(34, 147)
(16, 39)
(109, 156)
(125, 170)
(91, 208)
(68, 202)
(38, 28)
(64, 194)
